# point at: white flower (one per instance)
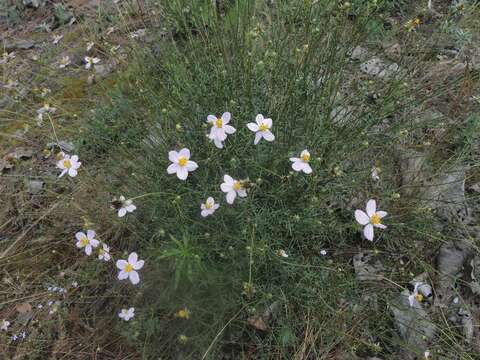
(127, 314)
(14, 337)
(128, 267)
(370, 219)
(209, 207)
(89, 61)
(64, 62)
(374, 173)
(232, 188)
(57, 38)
(323, 252)
(5, 325)
(69, 165)
(302, 163)
(261, 129)
(104, 253)
(181, 163)
(415, 297)
(87, 241)
(74, 284)
(90, 46)
(126, 206)
(220, 128)
(282, 253)
(426, 354)
(46, 108)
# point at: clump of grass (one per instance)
(288, 61)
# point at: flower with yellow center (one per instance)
(69, 165)
(181, 163)
(89, 61)
(372, 218)
(220, 128)
(128, 268)
(209, 207)
(232, 188)
(86, 241)
(417, 297)
(302, 163)
(104, 253)
(261, 127)
(126, 314)
(123, 206)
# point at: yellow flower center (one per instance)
(219, 123)
(46, 106)
(306, 157)
(67, 163)
(237, 185)
(84, 241)
(182, 161)
(263, 127)
(183, 314)
(128, 268)
(375, 219)
(419, 297)
(101, 251)
(208, 205)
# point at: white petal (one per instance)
(204, 213)
(382, 214)
(216, 206)
(218, 143)
(371, 207)
(231, 195)
(258, 137)
(267, 135)
(132, 258)
(131, 208)
(211, 119)
(122, 212)
(228, 180)
(90, 234)
(78, 244)
(380, 226)
(298, 165)
(226, 117)
(185, 153)
(411, 299)
(94, 243)
(229, 129)
(79, 235)
(361, 217)
(121, 264)
(134, 278)
(225, 187)
(259, 119)
(192, 166)
(173, 156)
(252, 126)
(173, 168)
(368, 232)
(294, 159)
(268, 122)
(74, 159)
(72, 172)
(182, 173)
(138, 265)
(88, 249)
(307, 169)
(122, 275)
(242, 192)
(63, 173)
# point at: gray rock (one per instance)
(359, 53)
(35, 186)
(379, 68)
(34, 3)
(413, 170)
(66, 146)
(19, 44)
(367, 268)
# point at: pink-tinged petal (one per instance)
(79, 235)
(63, 173)
(192, 166)
(298, 166)
(78, 244)
(307, 169)
(88, 249)
(172, 168)
(204, 213)
(226, 116)
(211, 118)
(182, 173)
(253, 127)
(134, 278)
(242, 193)
(382, 214)
(225, 187)
(231, 195)
(258, 137)
(173, 156)
(122, 212)
(267, 135)
(368, 232)
(268, 122)
(132, 258)
(361, 217)
(259, 119)
(90, 234)
(139, 264)
(229, 129)
(294, 159)
(218, 144)
(371, 207)
(228, 180)
(121, 264)
(72, 172)
(380, 226)
(185, 153)
(122, 275)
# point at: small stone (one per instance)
(35, 186)
(377, 67)
(19, 44)
(359, 53)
